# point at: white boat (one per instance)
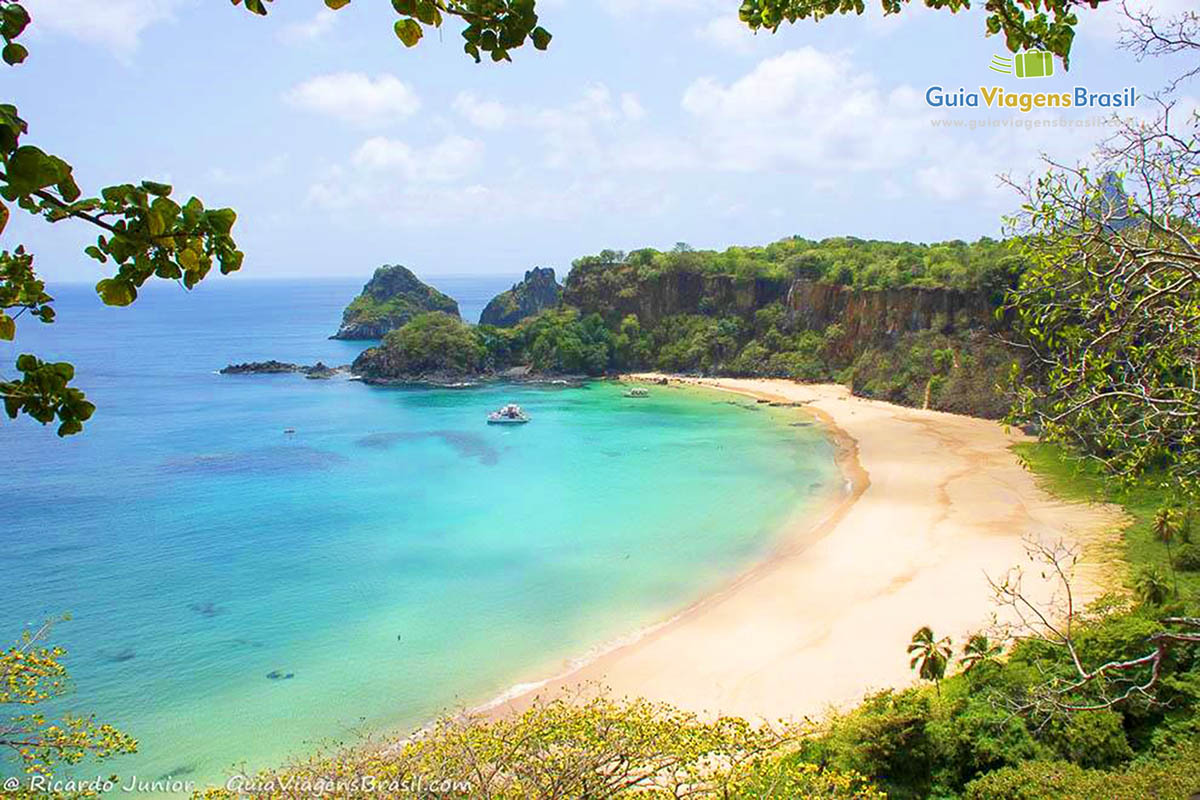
(511, 414)
(638, 391)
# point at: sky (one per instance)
(646, 123)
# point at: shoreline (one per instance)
(790, 637)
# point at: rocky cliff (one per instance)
(869, 317)
(392, 297)
(537, 292)
(617, 292)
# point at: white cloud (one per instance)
(356, 98)
(450, 159)
(728, 33)
(113, 24)
(487, 114)
(631, 107)
(310, 30)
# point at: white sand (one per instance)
(939, 501)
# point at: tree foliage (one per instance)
(1025, 24)
(31, 674)
(1109, 310)
(143, 234)
(491, 26)
(572, 748)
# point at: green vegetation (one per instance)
(983, 265)
(392, 297)
(1025, 24)
(570, 749)
(430, 343)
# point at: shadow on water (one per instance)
(208, 609)
(466, 445)
(120, 656)
(265, 460)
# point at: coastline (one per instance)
(935, 502)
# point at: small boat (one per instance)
(638, 391)
(511, 414)
(289, 431)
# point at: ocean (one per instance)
(240, 596)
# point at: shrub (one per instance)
(1187, 558)
(1174, 776)
(561, 749)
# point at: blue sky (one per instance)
(646, 123)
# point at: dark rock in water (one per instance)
(272, 367)
(206, 609)
(277, 675)
(800, 424)
(392, 297)
(319, 371)
(267, 367)
(537, 292)
(177, 772)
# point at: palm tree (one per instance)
(930, 656)
(1151, 586)
(977, 650)
(1164, 529)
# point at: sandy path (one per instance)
(939, 501)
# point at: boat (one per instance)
(511, 414)
(638, 391)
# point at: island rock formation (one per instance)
(392, 297)
(537, 292)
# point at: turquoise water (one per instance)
(396, 556)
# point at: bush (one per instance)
(599, 748)
(1175, 776)
(1187, 558)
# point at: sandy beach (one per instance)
(936, 503)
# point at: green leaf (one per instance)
(541, 38)
(8, 327)
(409, 31)
(116, 292)
(158, 189)
(30, 169)
(336, 4)
(14, 53)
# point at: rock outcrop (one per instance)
(272, 367)
(537, 292)
(392, 297)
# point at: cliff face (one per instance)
(537, 292)
(392, 297)
(868, 317)
(615, 294)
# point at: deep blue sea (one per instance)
(239, 595)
